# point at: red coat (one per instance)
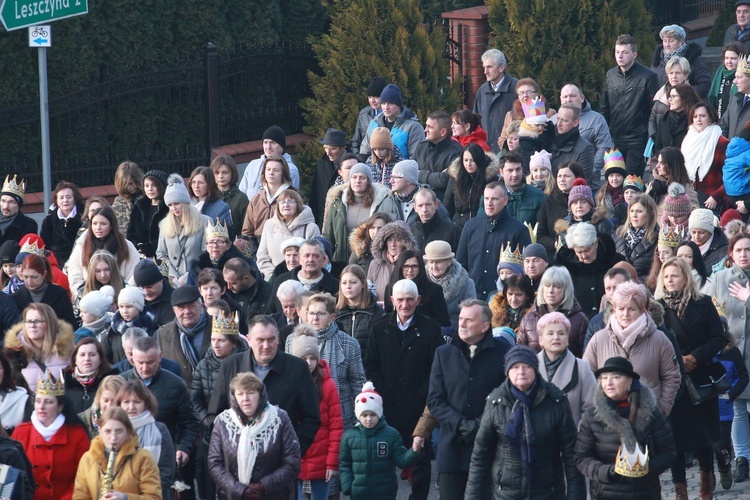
(55, 463)
(479, 136)
(713, 184)
(323, 454)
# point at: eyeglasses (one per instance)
(34, 322)
(410, 267)
(527, 92)
(215, 243)
(288, 202)
(317, 314)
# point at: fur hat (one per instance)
(369, 400)
(521, 354)
(702, 218)
(133, 296)
(407, 168)
(381, 138)
(305, 342)
(98, 302)
(276, 134)
(392, 94)
(376, 86)
(176, 191)
(676, 203)
(581, 191)
(361, 168)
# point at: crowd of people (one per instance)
(537, 300)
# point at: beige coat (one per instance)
(580, 396)
(275, 232)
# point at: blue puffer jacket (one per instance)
(736, 168)
(406, 133)
(737, 373)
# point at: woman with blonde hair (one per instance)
(129, 186)
(134, 473)
(106, 396)
(102, 270)
(182, 232)
(636, 240)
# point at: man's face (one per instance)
(494, 201)
(264, 342)
(333, 152)
(288, 306)
(624, 56)
(405, 305)
(127, 346)
(534, 267)
(492, 72)
(311, 259)
(425, 207)
(571, 95)
(153, 291)
(374, 101)
(433, 132)
(272, 148)
(513, 175)
(471, 325)
(146, 363)
(566, 121)
(743, 15)
(234, 283)
(742, 80)
(610, 284)
(390, 110)
(188, 314)
(8, 205)
(399, 184)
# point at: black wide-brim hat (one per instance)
(618, 364)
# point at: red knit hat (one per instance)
(730, 215)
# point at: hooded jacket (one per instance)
(406, 133)
(459, 207)
(736, 182)
(381, 268)
(276, 231)
(699, 77)
(259, 210)
(359, 247)
(22, 359)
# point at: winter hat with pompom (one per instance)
(368, 400)
(98, 302)
(677, 203)
(176, 191)
(581, 191)
(305, 342)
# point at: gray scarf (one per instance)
(5, 222)
(187, 335)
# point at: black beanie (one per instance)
(8, 251)
(276, 134)
(146, 273)
(376, 86)
(160, 176)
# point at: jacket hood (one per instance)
(644, 415)
(304, 218)
(490, 174)
(63, 344)
(737, 146)
(359, 240)
(129, 447)
(397, 228)
(336, 192)
(692, 51)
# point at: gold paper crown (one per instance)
(48, 386)
(508, 257)
(217, 231)
(32, 248)
(12, 187)
(226, 326)
(532, 230)
(743, 65)
(671, 236)
(163, 267)
(633, 464)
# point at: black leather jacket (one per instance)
(627, 100)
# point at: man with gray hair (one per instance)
(128, 339)
(588, 256)
(398, 360)
(496, 96)
(287, 295)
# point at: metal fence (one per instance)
(166, 114)
(680, 11)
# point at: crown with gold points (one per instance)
(226, 325)
(508, 256)
(33, 247)
(631, 464)
(48, 386)
(218, 230)
(743, 65)
(163, 267)
(13, 187)
(671, 236)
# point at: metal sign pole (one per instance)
(44, 118)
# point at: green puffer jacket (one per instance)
(367, 461)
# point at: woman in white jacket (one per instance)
(181, 233)
(291, 218)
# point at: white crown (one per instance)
(633, 464)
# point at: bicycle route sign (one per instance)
(17, 14)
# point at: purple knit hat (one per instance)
(581, 191)
(676, 203)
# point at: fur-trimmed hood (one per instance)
(596, 215)
(358, 240)
(492, 172)
(397, 228)
(63, 347)
(340, 192)
(499, 307)
(644, 415)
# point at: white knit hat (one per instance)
(98, 302)
(368, 400)
(176, 191)
(702, 218)
(133, 296)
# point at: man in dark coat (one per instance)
(570, 146)
(324, 175)
(157, 290)
(246, 287)
(483, 237)
(524, 200)
(13, 224)
(287, 380)
(429, 225)
(463, 373)
(398, 360)
(738, 110)
(496, 96)
(435, 154)
(740, 32)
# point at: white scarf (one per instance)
(149, 436)
(47, 432)
(12, 407)
(252, 437)
(698, 149)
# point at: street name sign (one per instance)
(17, 14)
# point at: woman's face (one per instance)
(675, 101)
(131, 187)
(377, 225)
(700, 236)
(102, 272)
(288, 208)
(113, 433)
(580, 208)
(32, 279)
(65, 200)
(730, 60)
(410, 269)
(9, 269)
(516, 298)
(176, 209)
(522, 376)
(741, 253)
(312, 362)
(216, 247)
(638, 216)
(665, 252)
(247, 400)
(458, 129)
(615, 180)
(539, 173)
(221, 345)
(394, 246)
(132, 405)
(223, 177)
(512, 141)
(469, 164)
(616, 386)
(35, 326)
(627, 312)
(565, 179)
(291, 257)
(47, 409)
(318, 315)
(107, 400)
(553, 295)
(438, 268)
(671, 43)
(210, 291)
(273, 173)
(87, 359)
(351, 287)
(359, 183)
(676, 76)
(686, 253)
(661, 168)
(674, 280)
(701, 119)
(100, 226)
(199, 186)
(151, 189)
(94, 206)
(554, 339)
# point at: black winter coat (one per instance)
(434, 229)
(496, 462)
(458, 389)
(717, 251)
(399, 364)
(9, 314)
(59, 235)
(432, 303)
(626, 102)
(55, 297)
(79, 396)
(357, 322)
(144, 234)
(20, 227)
(699, 79)
(433, 160)
(641, 256)
(324, 176)
(162, 306)
(554, 208)
(253, 300)
(600, 434)
(327, 284)
(670, 130)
